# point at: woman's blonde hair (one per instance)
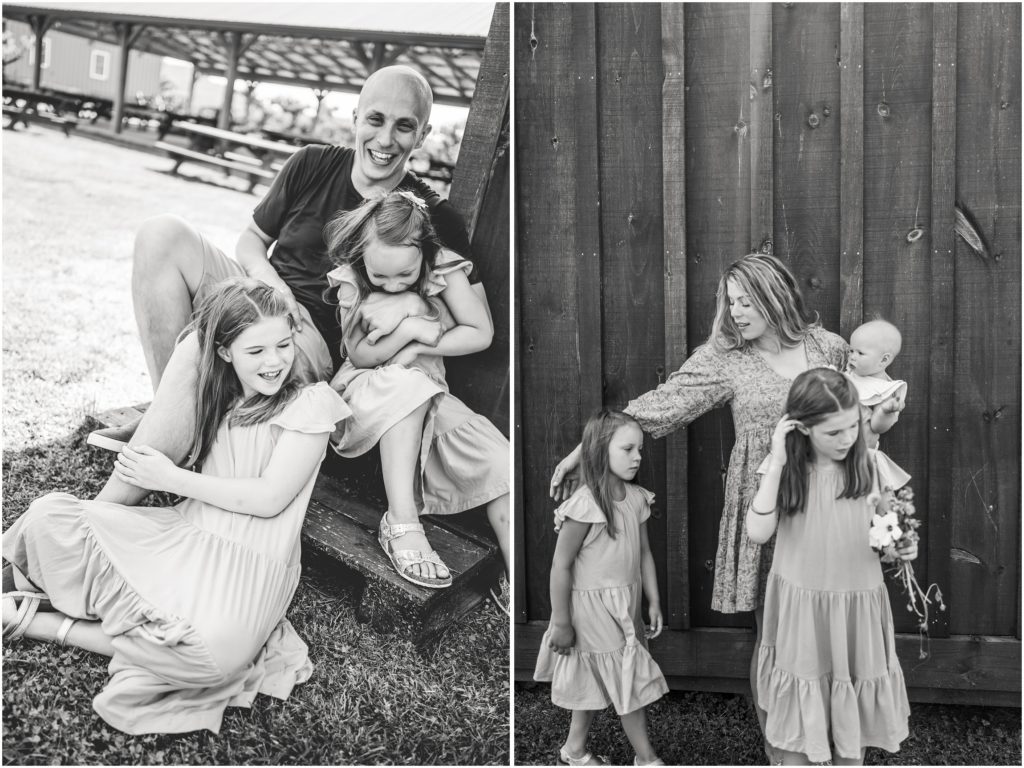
(773, 291)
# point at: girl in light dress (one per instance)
(827, 672)
(594, 652)
(437, 456)
(190, 601)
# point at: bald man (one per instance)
(174, 265)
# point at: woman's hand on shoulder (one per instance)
(782, 430)
(566, 477)
(145, 467)
(561, 638)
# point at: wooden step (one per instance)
(342, 526)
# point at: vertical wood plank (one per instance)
(851, 160)
(588, 211)
(937, 497)
(807, 145)
(897, 204)
(558, 338)
(987, 422)
(673, 154)
(520, 594)
(630, 158)
(717, 76)
(762, 112)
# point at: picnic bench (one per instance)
(343, 528)
(215, 147)
(23, 106)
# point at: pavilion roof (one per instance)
(332, 46)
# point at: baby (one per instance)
(873, 346)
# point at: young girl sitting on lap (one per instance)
(190, 601)
(437, 456)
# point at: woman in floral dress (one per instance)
(762, 338)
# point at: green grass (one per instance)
(70, 347)
(721, 729)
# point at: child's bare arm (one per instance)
(763, 514)
(570, 539)
(293, 460)
(649, 578)
(365, 354)
(885, 415)
(472, 330)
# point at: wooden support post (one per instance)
(673, 153)
(233, 42)
(40, 26)
(124, 37)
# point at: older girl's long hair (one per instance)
(774, 293)
(814, 396)
(225, 313)
(398, 218)
(594, 470)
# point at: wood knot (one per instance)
(813, 120)
(814, 282)
(883, 109)
(914, 235)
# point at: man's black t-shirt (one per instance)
(314, 185)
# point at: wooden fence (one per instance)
(655, 145)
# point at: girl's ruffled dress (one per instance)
(609, 663)
(463, 457)
(828, 670)
(193, 596)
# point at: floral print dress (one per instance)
(756, 394)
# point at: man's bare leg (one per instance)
(168, 425)
(167, 268)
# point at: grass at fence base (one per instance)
(690, 728)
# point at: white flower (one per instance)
(884, 530)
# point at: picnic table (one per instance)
(26, 106)
(261, 159)
(290, 138)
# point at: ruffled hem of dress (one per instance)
(142, 696)
(474, 436)
(626, 678)
(806, 715)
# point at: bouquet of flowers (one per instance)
(887, 534)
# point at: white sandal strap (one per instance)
(26, 612)
(62, 633)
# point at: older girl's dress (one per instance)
(193, 596)
(463, 456)
(609, 663)
(756, 395)
(827, 669)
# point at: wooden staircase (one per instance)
(341, 525)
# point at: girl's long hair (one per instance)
(225, 313)
(398, 218)
(815, 395)
(594, 470)
(773, 291)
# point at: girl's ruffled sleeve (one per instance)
(581, 507)
(316, 409)
(446, 262)
(646, 501)
(344, 279)
(702, 383)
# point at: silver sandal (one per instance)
(402, 559)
